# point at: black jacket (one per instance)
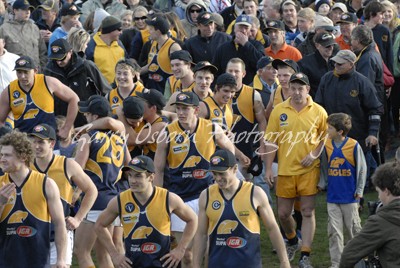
(203, 49)
(250, 53)
(354, 94)
(308, 46)
(314, 66)
(229, 15)
(83, 77)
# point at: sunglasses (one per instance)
(140, 18)
(196, 10)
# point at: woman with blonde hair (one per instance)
(78, 38)
(140, 14)
(390, 15)
(177, 29)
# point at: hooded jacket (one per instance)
(113, 7)
(380, 233)
(188, 24)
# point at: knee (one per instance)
(284, 215)
(307, 212)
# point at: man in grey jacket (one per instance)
(22, 36)
(380, 232)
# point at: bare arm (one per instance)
(270, 106)
(104, 236)
(222, 140)
(259, 112)
(104, 123)
(168, 107)
(67, 95)
(57, 218)
(85, 184)
(4, 106)
(201, 238)
(160, 159)
(185, 213)
(264, 209)
(83, 149)
(203, 112)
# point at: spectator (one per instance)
(337, 11)
(288, 11)
(7, 62)
(279, 49)
(323, 7)
(390, 16)
(344, 174)
(140, 15)
(192, 11)
(257, 34)
(81, 75)
(49, 21)
(347, 22)
(78, 38)
(114, 8)
(266, 80)
(317, 64)
(380, 230)
(305, 22)
(22, 36)
(231, 13)
(240, 47)
(105, 49)
(271, 9)
(204, 45)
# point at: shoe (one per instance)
(292, 249)
(305, 262)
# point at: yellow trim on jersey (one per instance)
(115, 98)
(214, 109)
(163, 59)
(245, 103)
(176, 85)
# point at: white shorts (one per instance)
(93, 215)
(70, 247)
(178, 225)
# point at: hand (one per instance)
(308, 160)
(244, 161)
(6, 191)
(269, 177)
(241, 38)
(72, 223)
(63, 133)
(357, 196)
(173, 258)
(371, 141)
(120, 261)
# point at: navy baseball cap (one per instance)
(140, 163)
(222, 160)
(205, 65)
(159, 23)
(152, 96)
(275, 24)
(23, 4)
(226, 79)
(244, 20)
(264, 61)
(290, 63)
(96, 105)
(70, 10)
(24, 63)
(44, 131)
(133, 107)
(187, 98)
(300, 77)
(59, 49)
(181, 55)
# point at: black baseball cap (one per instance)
(159, 23)
(133, 107)
(222, 160)
(96, 105)
(181, 55)
(275, 24)
(325, 39)
(23, 4)
(24, 63)
(205, 18)
(44, 131)
(140, 163)
(205, 65)
(264, 61)
(291, 63)
(59, 49)
(70, 9)
(187, 98)
(153, 96)
(226, 79)
(300, 77)
(348, 18)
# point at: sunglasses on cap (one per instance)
(140, 18)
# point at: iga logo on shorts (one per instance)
(235, 242)
(150, 248)
(26, 231)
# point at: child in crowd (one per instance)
(344, 170)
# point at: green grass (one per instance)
(320, 250)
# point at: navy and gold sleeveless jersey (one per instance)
(176, 84)
(115, 99)
(33, 107)
(243, 118)
(145, 35)
(25, 224)
(210, 93)
(278, 96)
(57, 170)
(159, 65)
(146, 227)
(189, 158)
(233, 228)
(149, 149)
(342, 178)
(104, 165)
(223, 117)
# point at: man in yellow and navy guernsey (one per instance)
(29, 202)
(30, 99)
(101, 153)
(66, 173)
(229, 213)
(298, 170)
(144, 211)
(185, 149)
(158, 66)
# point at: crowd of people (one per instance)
(155, 133)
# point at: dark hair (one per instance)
(372, 9)
(340, 121)
(387, 176)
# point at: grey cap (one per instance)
(344, 56)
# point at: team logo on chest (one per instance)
(216, 205)
(283, 120)
(129, 207)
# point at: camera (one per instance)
(373, 207)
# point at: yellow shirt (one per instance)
(296, 135)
